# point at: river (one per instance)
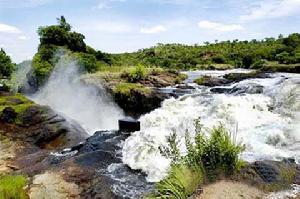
(263, 113)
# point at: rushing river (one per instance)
(264, 114)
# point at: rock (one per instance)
(129, 125)
(185, 86)
(8, 150)
(211, 81)
(8, 115)
(271, 175)
(52, 185)
(249, 88)
(37, 125)
(137, 102)
(236, 77)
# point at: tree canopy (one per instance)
(6, 65)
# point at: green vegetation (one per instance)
(207, 158)
(17, 102)
(219, 55)
(6, 65)
(12, 187)
(59, 39)
(203, 80)
(136, 74)
(181, 183)
(127, 88)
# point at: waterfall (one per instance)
(64, 92)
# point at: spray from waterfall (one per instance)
(90, 106)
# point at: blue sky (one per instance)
(128, 25)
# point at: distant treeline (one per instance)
(244, 54)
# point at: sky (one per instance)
(117, 26)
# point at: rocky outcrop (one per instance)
(229, 78)
(21, 119)
(85, 166)
(135, 101)
(250, 88)
(271, 175)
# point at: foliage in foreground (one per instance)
(12, 187)
(207, 158)
(181, 182)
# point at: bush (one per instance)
(207, 158)
(181, 182)
(12, 187)
(87, 61)
(138, 73)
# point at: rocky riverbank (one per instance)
(139, 97)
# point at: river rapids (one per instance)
(266, 122)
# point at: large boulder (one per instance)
(37, 125)
(271, 175)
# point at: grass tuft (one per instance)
(12, 187)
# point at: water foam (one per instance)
(91, 107)
(259, 118)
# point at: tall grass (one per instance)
(12, 187)
(207, 158)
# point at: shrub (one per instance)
(87, 61)
(181, 182)
(206, 159)
(138, 73)
(12, 187)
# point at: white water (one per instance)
(89, 106)
(272, 116)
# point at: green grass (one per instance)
(12, 187)
(202, 80)
(181, 183)
(126, 88)
(17, 101)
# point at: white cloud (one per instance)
(4, 28)
(153, 30)
(209, 25)
(273, 9)
(22, 37)
(102, 5)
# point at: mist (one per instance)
(90, 106)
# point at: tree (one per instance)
(61, 35)
(6, 65)
(63, 23)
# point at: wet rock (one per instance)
(8, 115)
(271, 175)
(236, 77)
(137, 103)
(38, 125)
(211, 81)
(129, 125)
(250, 88)
(185, 86)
